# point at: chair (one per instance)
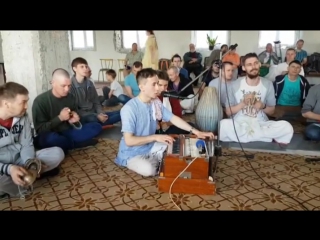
(106, 64)
(121, 68)
(164, 64)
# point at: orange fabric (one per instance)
(234, 58)
(107, 127)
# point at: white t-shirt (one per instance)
(263, 92)
(117, 88)
(283, 67)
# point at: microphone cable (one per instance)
(248, 157)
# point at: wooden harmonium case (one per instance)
(192, 160)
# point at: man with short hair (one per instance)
(131, 58)
(282, 68)
(87, 100)
(16, 142)
(140, 149)
(215, 54)
(193, 62)
(301, 55)
(56, 120)
(178, 82)
(176, 61)
(130, 82)
(250, 100)
(225, 82)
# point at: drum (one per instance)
(209, 111)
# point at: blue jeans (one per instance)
(312, 132)
(123, 99)
(113, 117)
(68, 139)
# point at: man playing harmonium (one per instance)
(140, 149)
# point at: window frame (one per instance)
(194, 39)
(86, 48)
(138, 42)
(298, 35)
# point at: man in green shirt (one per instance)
(56, 120)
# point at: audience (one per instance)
(130, 82)
(87, 100)
(250, 100)
(54, 114)
(178, 82)
(192, 62)
(301, 55)
(176, 61)
(140, 149)
(227, 74)
(172, 104)
(133, 56)
(113, 95)
(234, 58)
(282, 68)
(267, 58)
(311, 111)
(16, 148)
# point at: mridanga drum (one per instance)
(209, 111)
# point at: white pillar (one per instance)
(31, 56)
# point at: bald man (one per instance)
(192, 62)
(56, 120)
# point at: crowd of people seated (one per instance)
(71, 114)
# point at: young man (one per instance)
(282, 68)
(250, 100)
(177, 82)
(87, 100)
(16, 141)
(311, 111)
(227, 73)
(130, 82)
(112, 94)
(301, 55)
(172, 104)
(292, 88)
(140, 148)
(233, 56)
(55, 117)
(176, 61)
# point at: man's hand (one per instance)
(64, 114)
(74, 117)
(203, 135)
(258, 105)
(102, 117)
(194, 59)
(164, 139)
(17, 173)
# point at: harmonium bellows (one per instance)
(195, 154)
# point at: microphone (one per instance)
(232, 47)
(173, 95)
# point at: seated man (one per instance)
(267, 58)
(16, 144)
(192, 62)
(311, 111)
(301, 55)
(215, 54)
(177, 82)
(176, 61)
(172, 104)
(130, 82)
(250, 100)
(233, 56)
(291, 90)
(87, 100)
(55, 119)
(134, 56)
(282, 68)
(141, 150)
(227, 74)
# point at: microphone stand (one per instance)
(194, 80)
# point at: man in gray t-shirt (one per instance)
(226, 80)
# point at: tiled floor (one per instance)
(89, 180)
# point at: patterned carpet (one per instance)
(89, 180)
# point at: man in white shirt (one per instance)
(282, 68)
(250, 100)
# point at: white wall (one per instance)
(171, 42)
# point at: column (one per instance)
(31, 56)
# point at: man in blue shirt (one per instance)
(176, 61)
(140, 149)
(301, 54)
(130, 83)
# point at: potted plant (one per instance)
(212, 42)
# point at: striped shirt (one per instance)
(301, 55)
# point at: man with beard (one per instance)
(249, 100)
(215, 54)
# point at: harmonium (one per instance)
(188, 166)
